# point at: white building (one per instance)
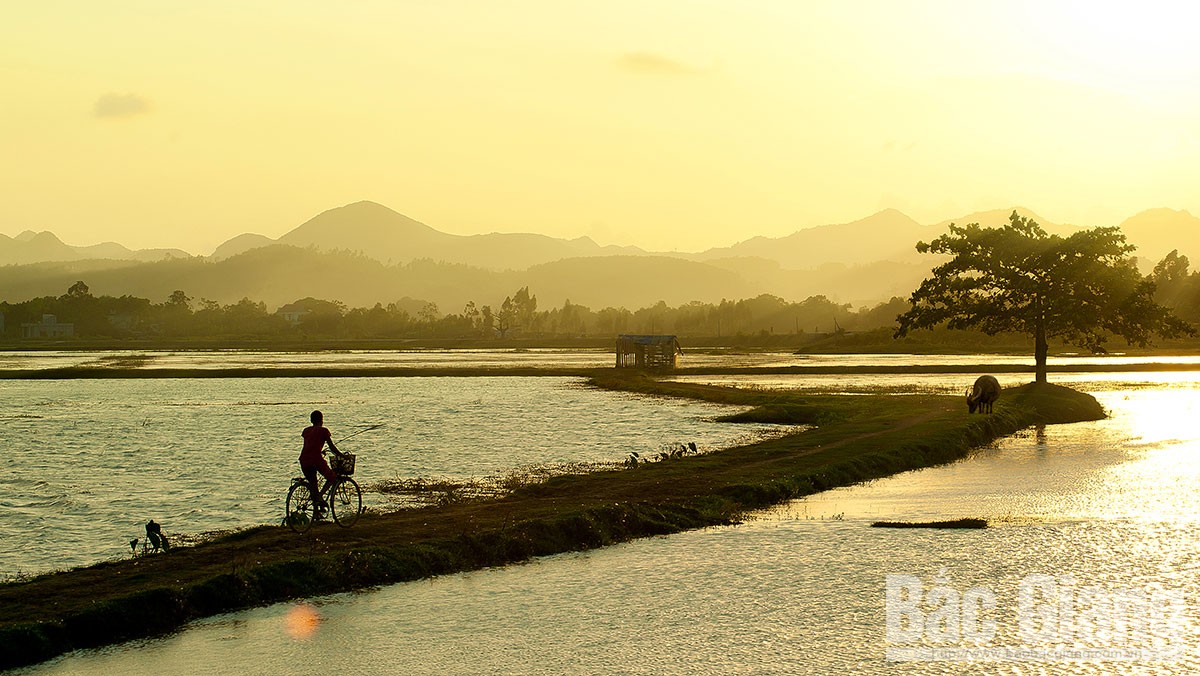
(49, 327)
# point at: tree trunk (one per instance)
(1040, 348)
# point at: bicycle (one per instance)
(153, 543)
(342, 495)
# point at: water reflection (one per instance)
(301, 621)
(949, 383)
(800, 588)
(417, 358)
(522, 357)
(90, 461)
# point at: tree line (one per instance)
(181, 316)
(1177, 287)
(1016, 279)
(1082, 289)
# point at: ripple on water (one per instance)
(797, 589)
(187, 452)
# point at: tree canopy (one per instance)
(182, 317)
(1081, 289)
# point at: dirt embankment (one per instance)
(854, 439)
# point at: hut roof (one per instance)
(647, 339)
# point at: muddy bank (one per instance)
(855, 439)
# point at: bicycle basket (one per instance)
(343, 465)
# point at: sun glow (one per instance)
(301, 621)
(1158, 416)
(828, 110)
(1144, 49)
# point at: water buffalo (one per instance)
(985, 392)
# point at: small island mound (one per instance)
(845, 440)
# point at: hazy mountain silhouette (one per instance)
(37, 247)
(365, 253)
(1156, 232)
(241, 244)
(280, 274)
(392, 237)
(368, 227)
(276, 275)
(995, 218)
(859, 285)
(634, 281)
(891, 236)
(887, 235)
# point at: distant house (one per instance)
(312, 311)
(647, 352)
(49, 327)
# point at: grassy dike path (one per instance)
(855, 438)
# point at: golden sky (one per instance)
(667, 125)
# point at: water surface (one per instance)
(92, 460)
(796, 589)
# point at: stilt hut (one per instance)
(647, 352)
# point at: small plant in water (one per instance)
(449, 496)
(18, 577)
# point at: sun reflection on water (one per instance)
(1153, 416)
(1110, 504)
(302, 621)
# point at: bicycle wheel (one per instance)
(299, 516)
(345, 501)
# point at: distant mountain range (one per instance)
(40, 247)
(391, 237)
(891, 236)
(280, 274)
(365, 253)
(887, 235)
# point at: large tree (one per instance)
(1081, 289)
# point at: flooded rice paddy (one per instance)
(92, 460)
(1097, 508)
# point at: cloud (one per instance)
(655, 64)
(120, 105)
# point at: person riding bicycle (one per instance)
(311, 458)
